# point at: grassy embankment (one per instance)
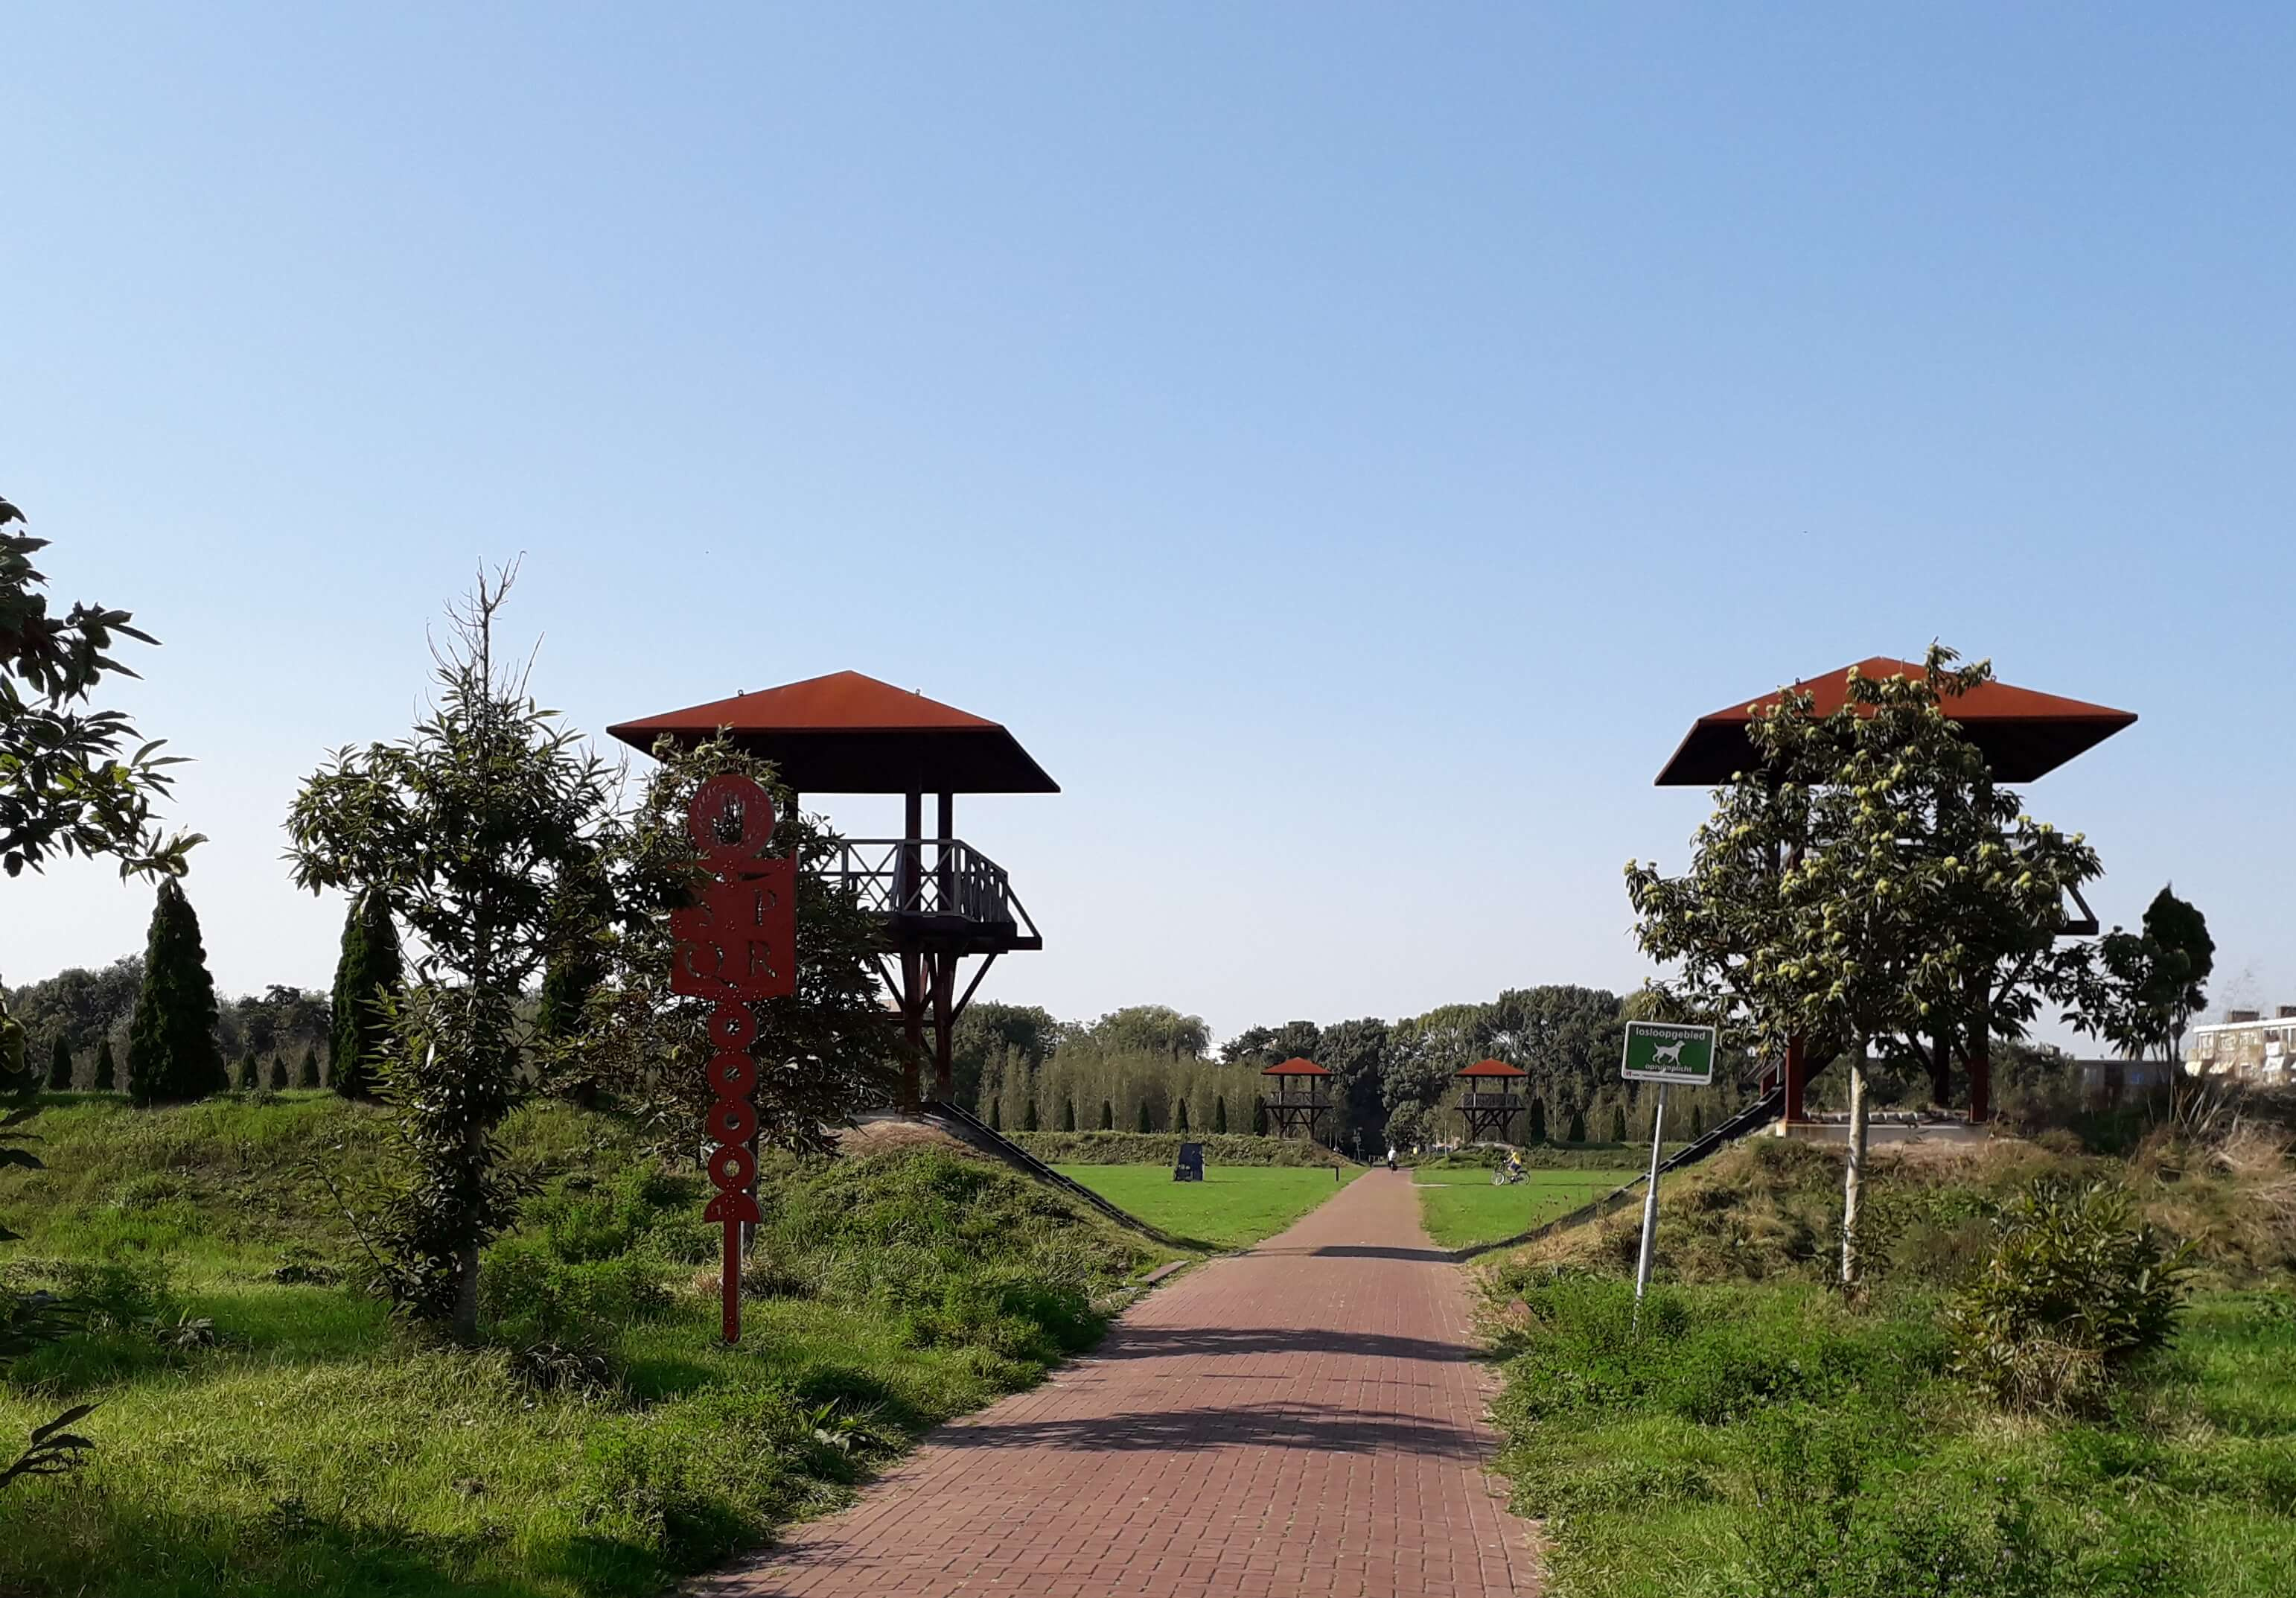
(1760, 1436)
(1461, 1208)
(1232, 1208)
(265, 1428)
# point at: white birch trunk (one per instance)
(1853, 1181)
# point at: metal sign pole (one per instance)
(1650, 1204)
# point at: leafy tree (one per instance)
(1355, 1053)
(307, 1074)
(1156, 1029)
(1068, 1115)
(173, 1052)
(72, 780)
(577, 962)
(1145, 1124)
(1407, 1126)
(80, 1003)
(468, 829)
(1538, 1120)
(107, 1068)
(28, 1320)
(60, 1063)
(987, 1026)
(1219, 1115)
(1576, 1130)
(822, 1050)
(1180, 1115)
(370, 974)
(2143, 989)
(1916, 871)
(1272, 1046)
(1107, 1115)
(1259, 1118)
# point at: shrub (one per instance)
(2076, 1292)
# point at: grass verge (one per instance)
(1232, 1207)
(264, 1428)
(1461, 1209)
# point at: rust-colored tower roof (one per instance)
(1490, 1068)
(2024, 734)
(1296, 1066)
(850, 734)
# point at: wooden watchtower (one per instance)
(2023, 735)
(1299, 1097)
(938, 899)
(1492, 1100)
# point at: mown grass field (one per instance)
(266, 1427)
(1232, 1207)
(1461, 1209)
(1756, 1436)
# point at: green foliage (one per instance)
(2077, 1292)
(1258, 1117)
(60, 1063)
(1219, 1116)
(107, 1068)
(1618, 1123)
(370, 975)
(1028, 1116)
(2143, 988)
(250, 1075)
(278, 1074)
(1180, 1116)
(1146, 1124)
(307, 1074)
(1160, 1150)
(471, 830)
(72, 780)
(989, 1028)
(1107, 1115)
(1538, 1120)
(1068, 1114)
(1576, 1130)
(173, 1051)
(1157, 1028)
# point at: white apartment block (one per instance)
(2247, 1046)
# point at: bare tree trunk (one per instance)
(1853, 1181)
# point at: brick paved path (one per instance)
(1304, 1419)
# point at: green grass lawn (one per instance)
(1232, 1207)
(265, 1428)
(1461, 1209)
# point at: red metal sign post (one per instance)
(736, 944)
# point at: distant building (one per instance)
(2104, 1083)
(2247, 1046)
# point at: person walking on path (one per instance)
(1306, 1418)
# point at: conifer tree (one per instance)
(249, 1077)
(1618, 1123)
(997, 1115)
(173, 1052)
(1028, 1114)
(1068, 1115)
(307, 1074)
(1576, 1132)
(59, 1065)
(278, 1074)
(1219, 1115)
(1107, 1115)
(1145, 1125)
(1258, 1118)
(1180, 1116)
(107, 1068)
(369, 967)
(1697, 1120)
(1538, 1120)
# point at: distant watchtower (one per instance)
(1492, 1100)
(937, 899)
(1299, 1097)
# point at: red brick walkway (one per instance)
(1304, 1419)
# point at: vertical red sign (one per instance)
(736, 944)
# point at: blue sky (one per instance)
(1348, 445)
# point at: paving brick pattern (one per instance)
(1304, 1419)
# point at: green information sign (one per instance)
(1669, 1052)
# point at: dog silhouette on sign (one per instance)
(1667, 1054)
